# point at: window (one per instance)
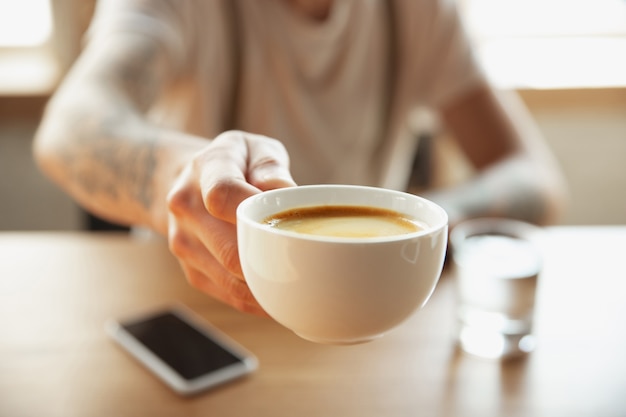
(27, 62)
(550, 43)
(25, 23)
(39, 40)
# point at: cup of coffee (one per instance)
(341, 264)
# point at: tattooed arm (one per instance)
(516, 175)
(95, 142)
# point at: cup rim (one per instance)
(431, 229)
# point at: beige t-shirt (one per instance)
(333, 92)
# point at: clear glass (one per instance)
(497, 265)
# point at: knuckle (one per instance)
(217, 196)
(277, 145)
(230, 258)
(178, 245)
(179, 200)
(244, 306)
(267, 161)
(240, 296)
(278, 148)
(195, 279)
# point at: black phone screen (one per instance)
(184, 348)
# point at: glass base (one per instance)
(493, 345)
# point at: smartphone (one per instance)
(183, 350)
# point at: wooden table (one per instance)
(58, 289)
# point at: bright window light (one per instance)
(514, 18)
(549, 43)
(25, 23)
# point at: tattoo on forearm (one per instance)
(103, 163)
(113, 154)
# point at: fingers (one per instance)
(208, 274)
(194, 234)
(239, 165)
(202, 208)
(237, 297)
(222, 198)
(222, 169)
(268, 165)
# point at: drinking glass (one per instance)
(497, 263)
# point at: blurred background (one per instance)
(566, 58)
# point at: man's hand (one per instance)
(202, 210)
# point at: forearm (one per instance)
(515, 187)
(95, 141)
(516, 175)
(109, 158)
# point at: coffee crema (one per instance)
(344, 221)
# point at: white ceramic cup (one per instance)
(340, 290)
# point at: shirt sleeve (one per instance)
(443, 61)
(167, 22)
